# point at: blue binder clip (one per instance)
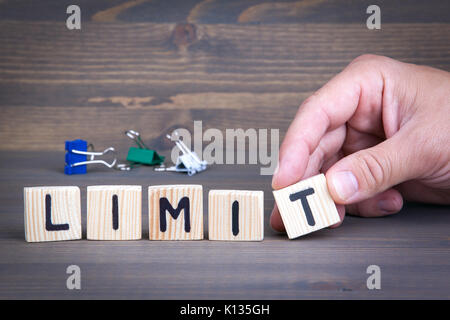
(79, 154)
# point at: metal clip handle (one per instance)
(136, 137)
(93, 154)
(92, 160)
(189, 162)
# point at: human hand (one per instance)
(380, 130)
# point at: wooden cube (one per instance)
(175, 212)
(114, 212)
(236, 215)
(306, 206)
(52, 213)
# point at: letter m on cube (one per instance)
(175, 212)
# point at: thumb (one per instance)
(368, 172)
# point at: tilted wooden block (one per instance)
(306, 206)
(175, 212)
(114, 212)
(52, 213)
(236, 215)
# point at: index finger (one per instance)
(330, 107)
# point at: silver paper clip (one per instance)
(189, 162)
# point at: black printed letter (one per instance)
(235, 218)
(302, 196)
(49, 226)
(164, 205)
(115, 212)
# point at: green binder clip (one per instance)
(142, 154)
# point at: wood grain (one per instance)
(293, 212)
(65, 209)
(250, 215)
(411, 247)
(228, 11)
(175, 228)
(112, 77)
(161, 64)
(100, 212)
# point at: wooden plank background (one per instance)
(157, 65)
(154, 66)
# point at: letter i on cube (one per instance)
(114, 212)
(306, 206)
(236, 215)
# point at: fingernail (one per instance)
(387, 206)
(345, 184)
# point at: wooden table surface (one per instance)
(153, 66)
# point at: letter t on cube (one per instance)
(306, 206)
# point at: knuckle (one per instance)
(311, 99)
(365, 58)
(374, 170)
(370, 62)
